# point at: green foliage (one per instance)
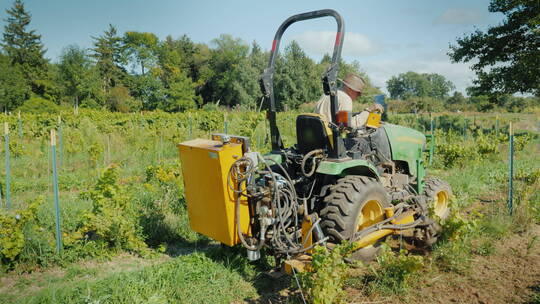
(232, 79)
(208, 281)
(119, 100)
(506, 55)
(113, 217)
(411, 84)
(455, 153)
(79, 79)
(395, 271)
(13, 86)
(17, 231)
(324, 282)
(141, 48)
(37, 105)
(163, 214)
(110, 56)
(521, 140)
(452, 252)
(24, 48)
(296, 80)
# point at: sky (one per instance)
(386, 37)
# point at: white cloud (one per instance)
(458, 73)
(461, 16)
(322, 42)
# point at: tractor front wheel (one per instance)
(354, 203)
(438, 193)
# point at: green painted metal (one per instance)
(277, 158)
(60, 147)
(511, 175)
(431, 143)
(421, 173)
(56, 200)
(406, 144)
(8, 170)
(349, 167)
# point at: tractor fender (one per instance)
(348, 167)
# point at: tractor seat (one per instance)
(312, 132)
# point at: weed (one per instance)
(323, 284)
(395, 272)
(486, 247)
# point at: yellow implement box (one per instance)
(210, 201)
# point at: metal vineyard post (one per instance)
(60, 147)
(8, 168)
(511, 172)
(55, 187)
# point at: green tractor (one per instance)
(336, 184)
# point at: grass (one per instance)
(194, 278)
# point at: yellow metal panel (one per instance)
(374, 120)
(307, 240)
(210, 202)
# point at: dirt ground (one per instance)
(510, 275)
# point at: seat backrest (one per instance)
(312, 132)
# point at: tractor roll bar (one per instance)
(329, 78)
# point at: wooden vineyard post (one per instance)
(511, 171)
(55, 187)
(225, 123)
(8, 168)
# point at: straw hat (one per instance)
(354, 82)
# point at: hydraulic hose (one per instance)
(239, 229)
(313, 166)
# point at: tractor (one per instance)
(337, 183)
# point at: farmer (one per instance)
(352, 88)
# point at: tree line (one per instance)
(138, 71)
(135, 71)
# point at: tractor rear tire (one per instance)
(354, 203)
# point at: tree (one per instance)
(141, 48)
(175, 58)
(110, 56)
(411, 84)
(180, 95)
(119, 100)
(24, 47)
(508, 55)
(230, 78)
(297, 78)
(77, 76)
(13, 87)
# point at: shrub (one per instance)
(112, 218)
(21, 235)
(119, 100)
(324, 282)
(38, 105)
